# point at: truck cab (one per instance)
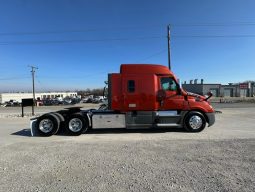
(139, 96)
(154, 90)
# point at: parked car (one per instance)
(11, 103)
(47, 102)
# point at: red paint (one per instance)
(147, 82)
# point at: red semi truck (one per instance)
(140, 96)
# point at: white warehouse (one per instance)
(4, 97)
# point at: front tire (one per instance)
(194, 121)
(76, 124)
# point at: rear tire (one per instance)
(76, 124)
(48, 125)
(61, 119)
(194, 121)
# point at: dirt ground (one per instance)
(220, 158)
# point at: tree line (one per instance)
(86, 92)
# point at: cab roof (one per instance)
(145, 69)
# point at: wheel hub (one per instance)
(46, 125)
(75, 125)
(195, 122)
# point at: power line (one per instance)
(213, 36)
(44, 32)
(216, 24)
(74, 77)
(153, 55)
(226, 24)
(115, 29)
(119, 39)
(76, 40)
(13, 78)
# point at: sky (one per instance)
(76, 43)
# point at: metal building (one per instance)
(5, 97)
(246, 89)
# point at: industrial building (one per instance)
(246, 89)
(5, 97)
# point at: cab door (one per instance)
(173, 99)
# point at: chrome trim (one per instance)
(168, 125)
(166, 113)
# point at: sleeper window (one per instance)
(131, 86)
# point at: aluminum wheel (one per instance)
(75, 125)
(46, 125)
(195, 122)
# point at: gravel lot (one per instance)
(221, 158)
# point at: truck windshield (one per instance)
(168, 84)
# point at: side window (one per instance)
(168, 84)
(131, 86)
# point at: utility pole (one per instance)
(33, 68)
(169, 48)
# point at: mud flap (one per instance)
(34, 131)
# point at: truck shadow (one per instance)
(123, 131)
(27, 132)
(23, 132)
(127, 131)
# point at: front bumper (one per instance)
(211, 118)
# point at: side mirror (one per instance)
(179, 89)
(179, 83)
(161, 95)
(209, 95)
